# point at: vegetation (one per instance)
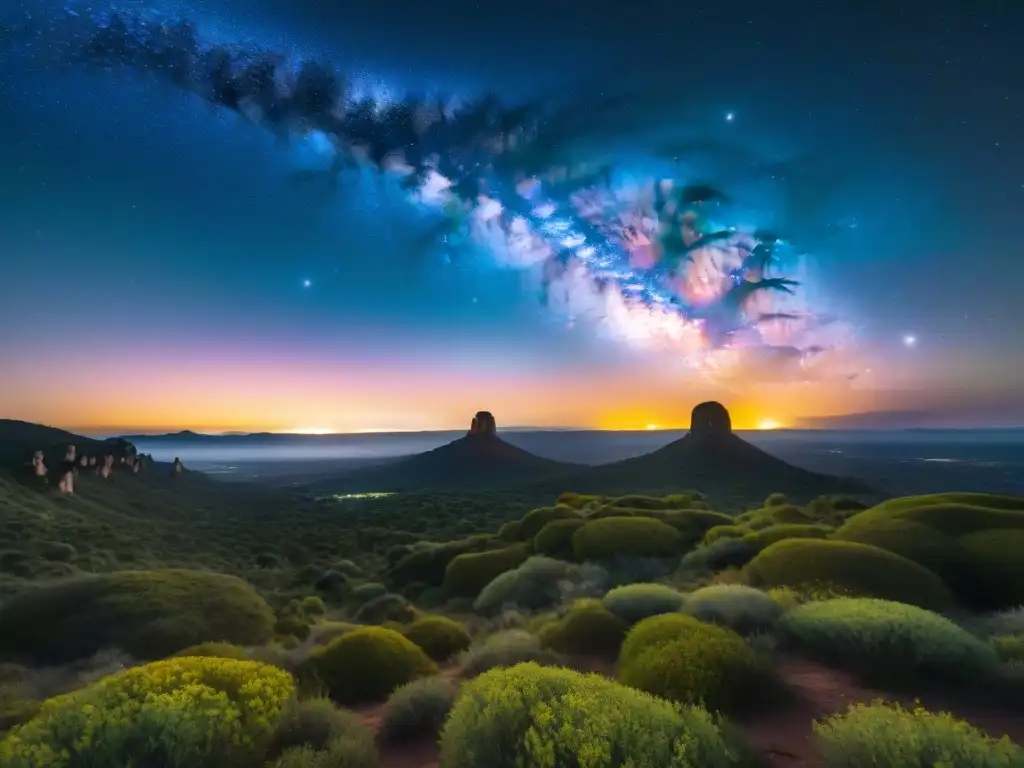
(439, 636)
(587, 628)
(314, 724)
(626, 536)
(505, 649)
(888, 641)
(200, 712)
(532, 717)
(633, 602)
(367, 664)
(535, 585)
(417, 709)
(743, 609)
(890, 735)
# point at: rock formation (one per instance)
(83, 461)
(710, 418)
(483, 424)
(71, 455)
(108, 466)
(67, 480)
(178, 467)
(92, 461)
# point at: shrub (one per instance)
(532, 717)
(538, 583)
(888, 735)
(216, 650)
(467, 575)
(313, 606)
(855, 568)
(655, 631)
(955, 514)
(439, 636)
(776, 500)
(717, 532)
(315, 723)
(428, 563)
(721, 554)
(148, 614)
(886, 640)
(634, 602)
(417, 709)
(368, 664)
(1009, 648)
(555, 538)
(344, 752)
(199, 712)
(510, 531)
(504, 649)
(385, 608)
(364, 593)
(773, 533)
(706, 665)
(742, 609)
(536, 519)
(628, 536)
(995, 561)
(587, 628)
(638, 501)
(576, 500)
(607, 511)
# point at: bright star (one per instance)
(307, 283)
(729, 117)
(910, 340)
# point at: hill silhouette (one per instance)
(20, 439)
(713, 459)
(479, 459)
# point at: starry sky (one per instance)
(159, 272)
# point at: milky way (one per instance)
(650, 261)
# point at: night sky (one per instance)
(159, 270)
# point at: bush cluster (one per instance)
(857, 569)
(536, 584)
(887, 641)
(199, 712)
(439, 636)
(888, 735)
(740, 608)
(466, 575)
(633, 602)
(148, 614)
(587, 628)
(505, 649)
(555, 538)
(534, 717)
(535, 520)
(314, 724)
(626, 536)
(417, 709)
(367, 664)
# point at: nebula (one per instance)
(657, 262)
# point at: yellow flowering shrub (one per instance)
(529, 716)
(179, 713)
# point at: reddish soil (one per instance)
(783, 737)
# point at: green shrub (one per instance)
(536, 519)
(510, 531)
(196, 712)
(417, 710)
(389, 607)
(887, 640)
(955, 514)
(707, 665)
(364, 593)
(367, 664)
(535, 585)
(854, 568)
(439, 636)
(724, 532)
(292, 624)
(691, 523)
(633, 602)
(468, 574)
(782, 531)
(742, 609)
(148, 614)
(216, 650)
(57, 551)
(555, 538)
(776, 500)
(587, 628)
(607, 511)
(313, 606)
(576, 500)
(719, 555)
(315, 723)
(655, 631)
(532, 717)
(505, 649)
(626, 536)
(638, 501)
(1009, 648)
(995, 561)
(428, 563)
(888, 735)
(344, 752)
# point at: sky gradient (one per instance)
(155, 258)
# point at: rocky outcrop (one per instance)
(483, 424)
(108, 466)
(178, 467)
(39, 464)
(710, 418)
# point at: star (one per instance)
(910, 340)
(729, 117)
(307, 283)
